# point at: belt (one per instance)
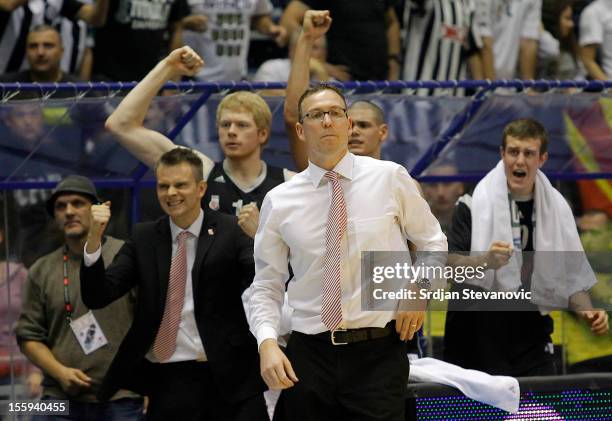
(350, 336)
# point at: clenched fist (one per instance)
(183, 62)
(316, 23)
(100, 215)
(248, 219)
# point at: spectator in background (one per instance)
(587, 353)
(20, 15)
(595, 220)
(44, 51)
(558, 48)
(364, 39)
(13, 364)
(510, 31)
(29, 151)
(135, 36)
(596, 39)
(441, 37)
(224, 45)
(442, 195)
(277, 70)
(73, 345)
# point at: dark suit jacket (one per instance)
(222, 270)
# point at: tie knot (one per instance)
(183, 236)
(332, 176)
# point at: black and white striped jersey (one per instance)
(76, 38)
(438, 34)
(15, 25)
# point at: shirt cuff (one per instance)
(265, 332)
(90, 259)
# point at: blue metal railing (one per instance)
(481, 88)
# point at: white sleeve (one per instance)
(90, 259)
(262, 7)
(416, 220)
(483, 18)
(207, 163)
(267, 292)
(533, 20)
(266, 73)
(548, 47)
(591, 28)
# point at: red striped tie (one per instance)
(165, 342)
(331, 304)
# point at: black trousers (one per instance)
(186, 391)
(361, 381)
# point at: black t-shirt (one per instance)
(225, 196)
(498, 342)
(135, 37)
(358, 36)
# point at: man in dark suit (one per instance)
(189, 348)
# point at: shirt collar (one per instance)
(344, 168)
(194, 228)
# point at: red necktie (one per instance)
(165, 341)
(331, 304)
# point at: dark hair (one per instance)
(44, 27)
(315, 89)
(378, 112)
(551, 13)
(179, 155)
(526, 128)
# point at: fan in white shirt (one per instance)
(596, 36)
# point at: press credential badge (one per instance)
(88, 332)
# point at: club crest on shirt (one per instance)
(214, 202)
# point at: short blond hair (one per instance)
(245, 101)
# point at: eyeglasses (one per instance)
(335, 114)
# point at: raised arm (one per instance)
(100, 286)
(126, 122)
(293, 15)
(316, 24)
(592, 37)
(10, 5)
(588, 55)
(265, 25)
(393, 44)
(528, 53)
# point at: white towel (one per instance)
(556, 276)
(499, 391)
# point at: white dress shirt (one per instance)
(188, 342)
(384, 209)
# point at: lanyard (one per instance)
(67, 305)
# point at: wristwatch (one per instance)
(424, 283)
(395, 57)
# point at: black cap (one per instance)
(76, 184)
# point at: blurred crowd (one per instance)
(120, 40)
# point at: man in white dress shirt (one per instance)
(342, 362)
